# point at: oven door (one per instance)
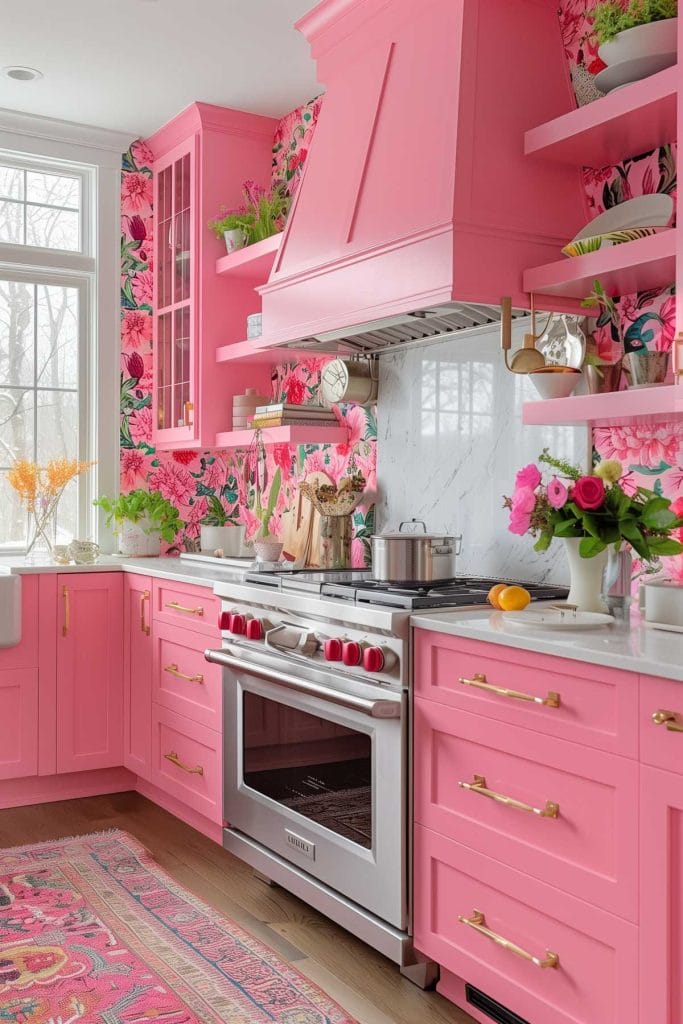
(316, 774)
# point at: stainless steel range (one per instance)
(317, 673)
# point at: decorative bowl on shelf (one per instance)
(585, 245)
(268, 549)
(555, 381)
(647, 40)
(646, 369)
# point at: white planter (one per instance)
(658, 37)
(135, 543)
(586, 577)
(268, 549)
(234, 239)
(229, 539)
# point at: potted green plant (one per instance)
(644, 28)
(262, 214)
(141, 519)
(267, 547)
(219, 533)
(228, 226)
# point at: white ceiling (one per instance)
(130, 65)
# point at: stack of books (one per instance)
(283, 414)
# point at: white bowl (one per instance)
(642, 41)
(650, 211)
(554, 385)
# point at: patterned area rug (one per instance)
(91, 929)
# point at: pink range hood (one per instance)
(418, 209)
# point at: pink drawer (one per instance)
(661, 722)
(183, 681)
(587, 848)
(187, 762)
(179, 604)
(595, 980)
(584, 703)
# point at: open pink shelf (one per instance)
(284, 435)
(245, 350)
(631, 120)
(253, 262)
(606, 410)
(623, 269)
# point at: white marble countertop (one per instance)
(630, 646)
(163, 568)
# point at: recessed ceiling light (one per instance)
(20, 74)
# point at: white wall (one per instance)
(450, 442)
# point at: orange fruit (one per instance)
(513, 599)
(494, 593)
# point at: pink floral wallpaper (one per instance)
(210, 485)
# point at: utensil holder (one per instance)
(336, 534)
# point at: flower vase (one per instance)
(585, 577)
(39, 548)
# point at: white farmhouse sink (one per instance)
(10, 610)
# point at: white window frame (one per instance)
(96, 154)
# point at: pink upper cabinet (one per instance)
(416, 190)
(202, 158)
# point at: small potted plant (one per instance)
(262, 214)
(142, 519)
(643, 28)
(219, 533)
(641, 366)
(228, 226)
(267, 547)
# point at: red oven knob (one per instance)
(352, 653)
(334, 650)
(254, 629)
(238, 625)
(373, 659)
(224, 620)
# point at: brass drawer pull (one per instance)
(477, 921)
(67, 612)
(667, 718)
(478, 785)
(479, 681)
(183, 608)
(174, 759)
(173, 670)
(144, 597)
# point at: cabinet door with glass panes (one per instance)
(175, 307)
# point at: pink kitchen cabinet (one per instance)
(18, 723)
(89, 716)
(137, 675)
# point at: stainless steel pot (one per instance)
(411, 557)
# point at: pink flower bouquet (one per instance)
(600, 508)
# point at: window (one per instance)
(45, 334)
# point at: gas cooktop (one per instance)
(357, 585)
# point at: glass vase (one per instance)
(41, 536)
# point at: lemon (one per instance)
(494, 593)
(514, 599)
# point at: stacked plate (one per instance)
(244, 406)
(636, 218)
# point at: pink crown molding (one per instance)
(204, 116)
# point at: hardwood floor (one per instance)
(364, 982)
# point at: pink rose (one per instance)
(557, 493)
(677, 507)
(588, 493)
(523, 504)
(529, 476)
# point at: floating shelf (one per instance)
(610, 409)
(284, 435)
(632, 120)
(253, 263)
(623, 269)
(245, 351)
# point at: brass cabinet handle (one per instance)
(174, 671)
(478, 785)
(477, 921)
(174, 759)
(67, 611)
(479, 681)
(144, 597)
(183, 608)
(667, 718)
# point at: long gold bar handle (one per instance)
(174, 759)
(478, 785)
(144, 597)
(183, 608)
(174, 671)
(553, 699)
(667, 718)
(67, 611)
(477, 921)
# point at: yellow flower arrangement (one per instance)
(41, 487)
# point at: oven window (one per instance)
(315, 767)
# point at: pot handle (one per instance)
(458, 545)
(413, 523)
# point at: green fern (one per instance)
(610, 18)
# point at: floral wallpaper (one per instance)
(208, 485)
(653, 454)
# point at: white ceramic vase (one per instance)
(135, 543)
(585, 577)
(234, 239)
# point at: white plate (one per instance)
(650, 211)
(633, 70)
(667, 626)
(552, 618)
(563, 343)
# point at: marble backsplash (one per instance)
(450, 442)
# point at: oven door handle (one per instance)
(372, 708)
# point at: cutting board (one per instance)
(301, 526)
